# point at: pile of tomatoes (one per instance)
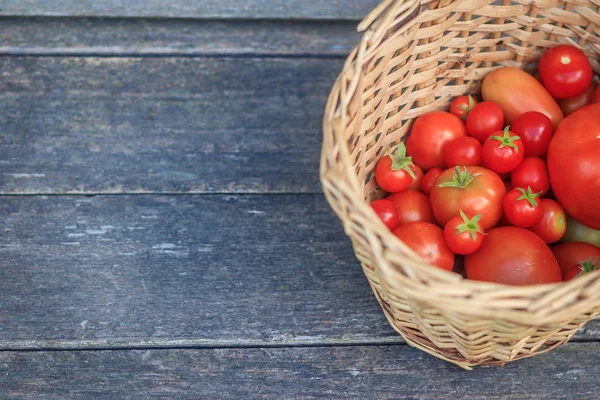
(501, 180)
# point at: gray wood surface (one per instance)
(113, 125)
(354, 372)
(74, 36)
(252, 9)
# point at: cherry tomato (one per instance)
(429, 134)
(517, 92)
(386, 211)
(569, 254)
(463, 150)
(412, 206)
(396, 172)
(522, 207)
(513, 256)
(574, 165)
(553, 224)
(429, 179)
(532, 172)
(416, 183)
(565, 71)
(503, 152)
(464, 235)
(485, 119)
(535, 130)
(572, 104)
(462, 105)
(596, 96)
(580, 269)
(427, 241)
(474, 190)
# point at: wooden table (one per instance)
(164, 233)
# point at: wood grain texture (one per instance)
(114, 125)
(250, 9)
(357, 372)
(68, 36)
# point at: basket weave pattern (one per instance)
(414, 57)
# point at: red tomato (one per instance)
(412, 206)
(463, 150)
(503, 153)
(565, 71)
(517, 92)
(572, 104)
(429, 179)
(427, 241)
(429, 134)
(474, 190)
(553, 224)
(464, 235)
(395, 173)
(416, 183)
(513, 256)
(386, 210)
(580, 269)
(574, 165)
(569, 254)
(462, 105)
(522, 207)
(535, 130)
(596, 97)
(532, 172)
(485, 119)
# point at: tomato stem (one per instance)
(528, 195)
(469, 225)
(468, 108)
(461, 178)
(400, 161)
(506, 140)
(588, 266)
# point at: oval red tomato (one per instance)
(429, 179)
(535, 130)
(485, 119)
(532, 172)
(574, 165)
(386, 211)
(412, 206)
(427, 241)
(463, 150)
(513, 256)
(429, 134)
(474, 190)
(565, 71)
(572, 104)
(553, 224)
(462, 105)
(569, 254)
(396, 172)
(522, 207)
(503, 151)
(464, 234)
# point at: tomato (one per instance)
(522, 207)
(427, 241)
(517, 92)
(577, 232)
(580, 269)
(513, 256)
(474, 190)
(462, 105)
(396, 172)
(386, 211)
(429, 134)
(572, 104)
(412, 206)
(503, 153)
(574, 165)
(532, 172)
(464, 235)
(569, 254)
(565, 71)
(463, 150)
(553, 224)
(485, 119)
(429, 179)
(416, 183)
(596, 96)
(535, 130)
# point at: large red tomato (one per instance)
(427, 240)
(513, 256)
(429, 134)
(569, 254)
(474, 190)
(574, 165)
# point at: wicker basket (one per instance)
(414, 57)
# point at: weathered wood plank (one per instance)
(357, 372)
(49, 36)
(251, 9)
(113, 125)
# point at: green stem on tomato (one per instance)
(400, 161)
(506, 140)
(528, 195)
(461, 178)
(469, 225)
